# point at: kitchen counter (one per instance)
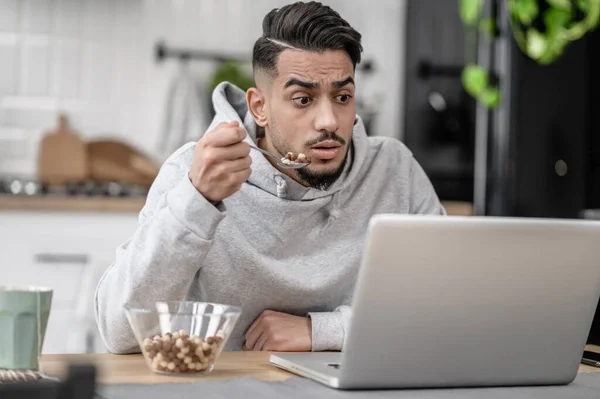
(124, 204)
(81, 204)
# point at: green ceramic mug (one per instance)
(24, 315)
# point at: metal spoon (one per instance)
(279, 162)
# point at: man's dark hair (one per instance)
(308, 26)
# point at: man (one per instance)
(223, 223)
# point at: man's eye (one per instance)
(302, 100)
(344, 98)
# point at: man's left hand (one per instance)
(280, 332)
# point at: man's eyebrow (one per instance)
(313, 85)
(298, 82)
(342, 83)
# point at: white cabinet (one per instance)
(68, 252)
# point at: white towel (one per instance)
(185, 116)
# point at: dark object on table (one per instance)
(80, 384)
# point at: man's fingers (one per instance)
(255, 324)
(262, 342)
(228, 124)
(254, 331)
(237, 165)
(225, 136)
(252, 339)
(234, 151)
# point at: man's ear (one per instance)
(256, 101)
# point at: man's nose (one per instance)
(326, 119)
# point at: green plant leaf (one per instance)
(590, 22)
(556, 46)
(488, 26)
(536, 44)
(474, 79)
(593, 14)
(231, 71)
(525, 10)
(584, 5)
(490, 97)
(556, 19)
(469, 11)
(561, 4)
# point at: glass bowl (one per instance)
(182, 337)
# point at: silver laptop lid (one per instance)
(469, 301)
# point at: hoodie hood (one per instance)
(230, 105)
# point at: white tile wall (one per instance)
(94, 60)
(66, 77)
(13, 143)
(34, 63)
(68, 21)
(8, 57)
(37, 16)
(9, 17)
(98, 72)
(100, 18)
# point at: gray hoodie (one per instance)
(274, 244)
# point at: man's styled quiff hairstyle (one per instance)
(308, 26)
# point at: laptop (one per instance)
(451, 301)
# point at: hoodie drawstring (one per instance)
(281, 186)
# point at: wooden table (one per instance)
(124, 369)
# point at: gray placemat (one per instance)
(585, 386)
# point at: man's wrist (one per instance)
(309, 322)
(214, 203)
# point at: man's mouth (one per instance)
(328, 149)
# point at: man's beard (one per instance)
(320, 181)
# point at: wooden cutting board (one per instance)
(62, 156)
(112, 160)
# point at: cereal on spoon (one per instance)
(291, 158)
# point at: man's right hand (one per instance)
(221, 162)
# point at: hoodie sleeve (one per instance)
(160, 260)
(329, 329)
(423, 198)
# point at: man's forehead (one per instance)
(326, 66)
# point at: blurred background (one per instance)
(95, 94)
